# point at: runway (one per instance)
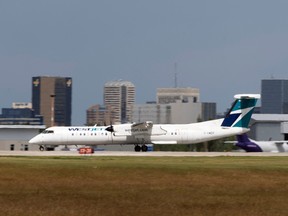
(141, 154)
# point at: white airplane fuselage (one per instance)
(249, 145)
(126, 134)
(271, 146)
(235, 122)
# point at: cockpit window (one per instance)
(48, 131)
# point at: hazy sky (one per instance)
(222, 47)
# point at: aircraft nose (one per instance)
(35, 140)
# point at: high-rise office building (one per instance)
(120, 96)
(175, 106)
(274, 96)
(99, 115)
(172, 95)
(52, 98)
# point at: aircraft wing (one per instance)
(231, 142)
(280, 142)
(164, 142)
(142, 125)
(145, 128)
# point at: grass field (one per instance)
(144, 186)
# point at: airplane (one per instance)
(139, 134)
(250, 145)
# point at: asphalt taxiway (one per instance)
(141, 154)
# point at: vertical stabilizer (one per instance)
(243, 138)
(241, 111)
(248, 145)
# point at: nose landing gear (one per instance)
(41, 148)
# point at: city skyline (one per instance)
(222, 48)
(102, 105)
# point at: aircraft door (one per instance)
(110, 137)
(60, 138)
(184, 136)
(64, 138)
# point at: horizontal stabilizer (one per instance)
(247, 96)
(280, 142)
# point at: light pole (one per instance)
(52, 96)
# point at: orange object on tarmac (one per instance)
(86, 150)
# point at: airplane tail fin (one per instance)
(241, 111)
(243, 138)
(246, 144)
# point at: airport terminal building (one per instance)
(18, 125)
(16, 137)
(265, 127)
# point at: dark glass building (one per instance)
(274, 96)
(24, 116)
(208, 111)
(52, 98)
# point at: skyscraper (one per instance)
(172, 95)
(274, 96)
(99, 115)
(52, 98)
(120, 96)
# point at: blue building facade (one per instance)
(274, 96)
(21, 116)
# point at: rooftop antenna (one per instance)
(175, 76)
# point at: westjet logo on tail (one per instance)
(240, 113)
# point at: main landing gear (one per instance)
(46, 148)
(138, 148)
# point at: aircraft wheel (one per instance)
(137, 148)
(144, 148)
(41, 148)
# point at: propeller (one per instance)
(110, 129)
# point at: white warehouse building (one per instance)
(266, 127)
(16, 137)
